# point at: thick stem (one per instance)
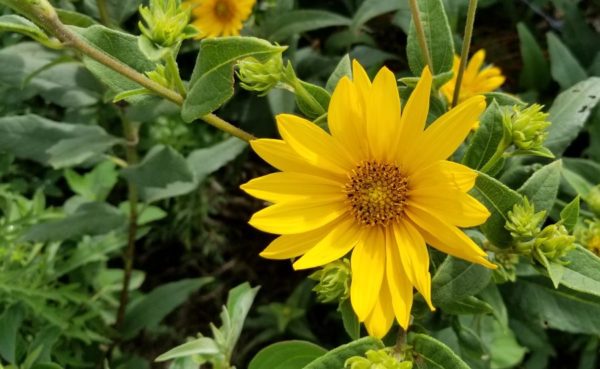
(464, 55)
(414, 8)
(61, 32)
(103, 11)
(130, 131)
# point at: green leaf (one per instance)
(343, 69)
(535, 73)
(286, 25)
(312, 100)
(439, 39)
(542, 187)
(152, 308)
(570, 214)
(503, 99)
(338, 356)
(286, 355)
(212, 80)
(92, 218)
(121, 46)
(456, 279)
(564, 67)
(96, 184)
(499, 200)
(370, 9)
(569, 112)
(199, 346)
(432, 354)
(467, 305)
(208, 160)
(161, 174)
(10, 322)
(582, 271)
(486, 139)
(73, 18)
(47, 142)
(562, 309)
(349, 319)
(16, 23)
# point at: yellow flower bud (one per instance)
(590, 236)
(592, 199)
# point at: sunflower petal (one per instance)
(293, 245)
(415, 258)
(340, 240)
(415, 112)
(368, 259)
(298, 216)
(346, 116)
(286, 186)
(379, 322)
(445, 173)
(475, 63)
(454, 207)
(401, 289)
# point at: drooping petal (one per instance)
(445, 173)
(452, 206)
(379, 322)
(313, 144)
(368, 259)
(401, 289)
(444, 135)
(286, 186)
(415, 112)
(293, 245)
(414, 257)
(447, 238)
(337, 243)
(346, 118)
(383, 116)
(298, 216)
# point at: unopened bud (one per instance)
(334, 281)
(380, 359)
(167, 22)
(523, 222)
(258, 76)
(161, 76)
(528, 126)
(554, 241)
(589, 236)
(592, 199)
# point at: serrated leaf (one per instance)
(286, 355)
(211, 84)
(570, 214)
(337, 357)
(288, 24)
(486, 139)
(535, 73)
(456, 279)
(542, 187)
(564, 67)
(499, 200)
(432, 354)
(440, 41)
(151, 309)
(569, 112)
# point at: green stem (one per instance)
(61, 32)
(173, 72)
(494, 159)
(414, 8)
(464, 55)
(103, 11)
(130, 131)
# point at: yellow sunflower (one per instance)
(378, 186)
(215, 18)
(475, 79)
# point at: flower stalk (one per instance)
(464, 55)
(414, 8)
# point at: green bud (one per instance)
(334, 281)
(167, 22)
(507, 267)
(527, 126)
(260, 77)
(380, 359)
(523, 222)
(554, 241)
(592, 199)
(589, 236)
(161, 76)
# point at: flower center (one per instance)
(223, 10)
(377, 193)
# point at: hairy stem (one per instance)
(464, 54)
(65, 35)
(130, 131)
(103, 11)
(414, 8)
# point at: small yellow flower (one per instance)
(215, 18)
(379, 186)
(475, 79)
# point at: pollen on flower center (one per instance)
(223, 10)
(376, 192)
